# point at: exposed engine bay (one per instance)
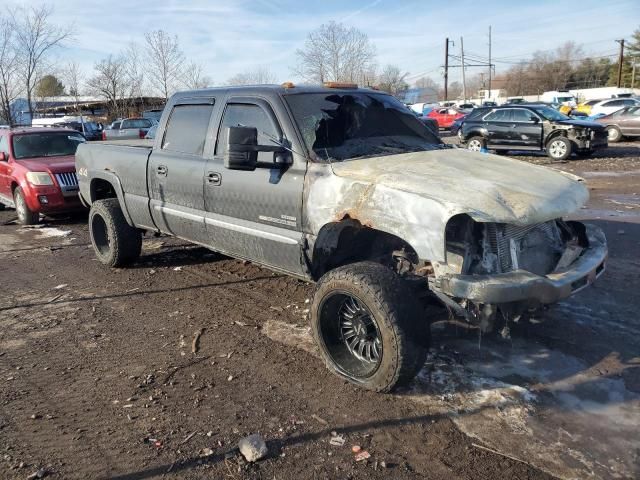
(487, 249)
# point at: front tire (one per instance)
(614, 135)
(369, 328)
(115, 242)
(476, 144)
(26, 216)
(559, 148)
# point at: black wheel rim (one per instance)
(351, 335)
(100, 235)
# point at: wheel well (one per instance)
(101, 189)
(554, 134)
(348, 241)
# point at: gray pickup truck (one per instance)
(346, 188)
(126, 129)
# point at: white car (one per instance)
(611, 105)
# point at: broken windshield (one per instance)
(343, 126)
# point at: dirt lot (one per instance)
(98, 378)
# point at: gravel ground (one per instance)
(98, 378)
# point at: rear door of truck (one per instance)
(176, 170)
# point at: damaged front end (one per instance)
(496, 269)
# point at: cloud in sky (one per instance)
(228, 37)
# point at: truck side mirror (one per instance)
(3, 157)
(534, 119)
(242, 151)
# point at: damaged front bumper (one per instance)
(521, 286)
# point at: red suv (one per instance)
(38, 171)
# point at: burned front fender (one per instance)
(417, 220)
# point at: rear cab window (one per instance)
(187, 127)
(136, 123)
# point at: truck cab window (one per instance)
(247, 115)
(187, 128)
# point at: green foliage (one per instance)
(49, 86)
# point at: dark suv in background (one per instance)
(531, 128)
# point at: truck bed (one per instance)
(131, 142)
(122, 164)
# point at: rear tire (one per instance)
(614, 135)
(115, 242)
(559, 148)
(368, 326)
(476, 144)
(26, 216)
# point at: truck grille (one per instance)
(506, 242)
(68, 179)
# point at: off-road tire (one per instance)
(26, 216)
(554, 148)
(474, 141)
(115, 242)
(2, 206)
(614, 135)
(401, 321)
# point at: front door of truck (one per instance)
(176, 168)
(256, 214)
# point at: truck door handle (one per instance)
(162, 170)
(513, 125)
(214, 178)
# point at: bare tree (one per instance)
(111, 82)
(392, 80)
(194, 78)
(259, 76)
(165, 62)
(73, 77)
(337, 53)
(10, 85)
(36, 37)
(134, 71)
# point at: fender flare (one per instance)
(113, 179)
(475, 132)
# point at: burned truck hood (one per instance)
(489, 188)
(413, 195)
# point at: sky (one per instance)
(234, 36)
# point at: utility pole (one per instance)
(633, 73)
(446, 69)
(464, 83)
(489, 62)
(620, 61)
